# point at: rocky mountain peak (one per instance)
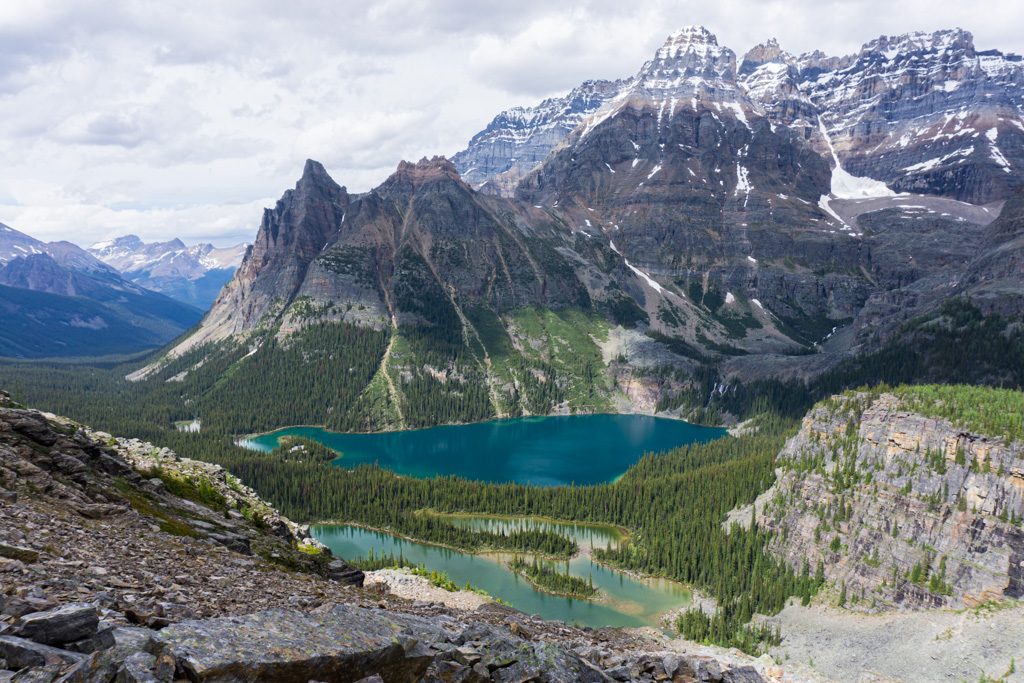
(414, 175)
(768, 52)
(687, 36)
(690, 55)
(129, 242)
(947, 40)
(517, 139)
(314, 175)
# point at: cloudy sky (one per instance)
(168, 118)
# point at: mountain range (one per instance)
(757, 219)
(58, 300)
(191, 274)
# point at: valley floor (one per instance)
(827, 644)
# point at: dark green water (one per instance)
(625, 601)
(544, 451)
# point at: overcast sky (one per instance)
(185, 119)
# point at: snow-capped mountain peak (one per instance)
(689, 64)
(15, 244)
(191, 274)
(893, 47)
(922, 112)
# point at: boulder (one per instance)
(31, 424)
(20, 653)
(338, 644)
(101, 640)
(65, 624)
(341, 571)
(13, 552)
(143, 667)
(742, 674)
(105, 664)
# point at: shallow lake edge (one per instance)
(663, 618)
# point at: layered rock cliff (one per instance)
(901, 509)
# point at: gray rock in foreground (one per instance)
(66, 624)
(343, 644)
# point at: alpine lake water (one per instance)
(543, 451)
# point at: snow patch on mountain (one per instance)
(847, 186)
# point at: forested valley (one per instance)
(673, 503)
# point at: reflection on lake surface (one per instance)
(626, 601)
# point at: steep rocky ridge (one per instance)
(109, 575)
(470, 291)
(902, 509)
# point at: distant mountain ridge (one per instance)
(922, 112)
(191, 274)
(57, 300)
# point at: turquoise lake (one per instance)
(544, 451)
(625, 600)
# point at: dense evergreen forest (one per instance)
(673, 504)
(549, 579)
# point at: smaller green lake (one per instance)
(543, 451)
(626, 601)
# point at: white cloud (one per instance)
(174, 118)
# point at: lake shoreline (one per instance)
(622, 531)
(568, 450)
(435, 544)
(657, 416)
(662, 619)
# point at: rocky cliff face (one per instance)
(904, 510)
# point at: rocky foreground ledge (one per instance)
(120, 562)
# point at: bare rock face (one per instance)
(290, 236)
(904, 510)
